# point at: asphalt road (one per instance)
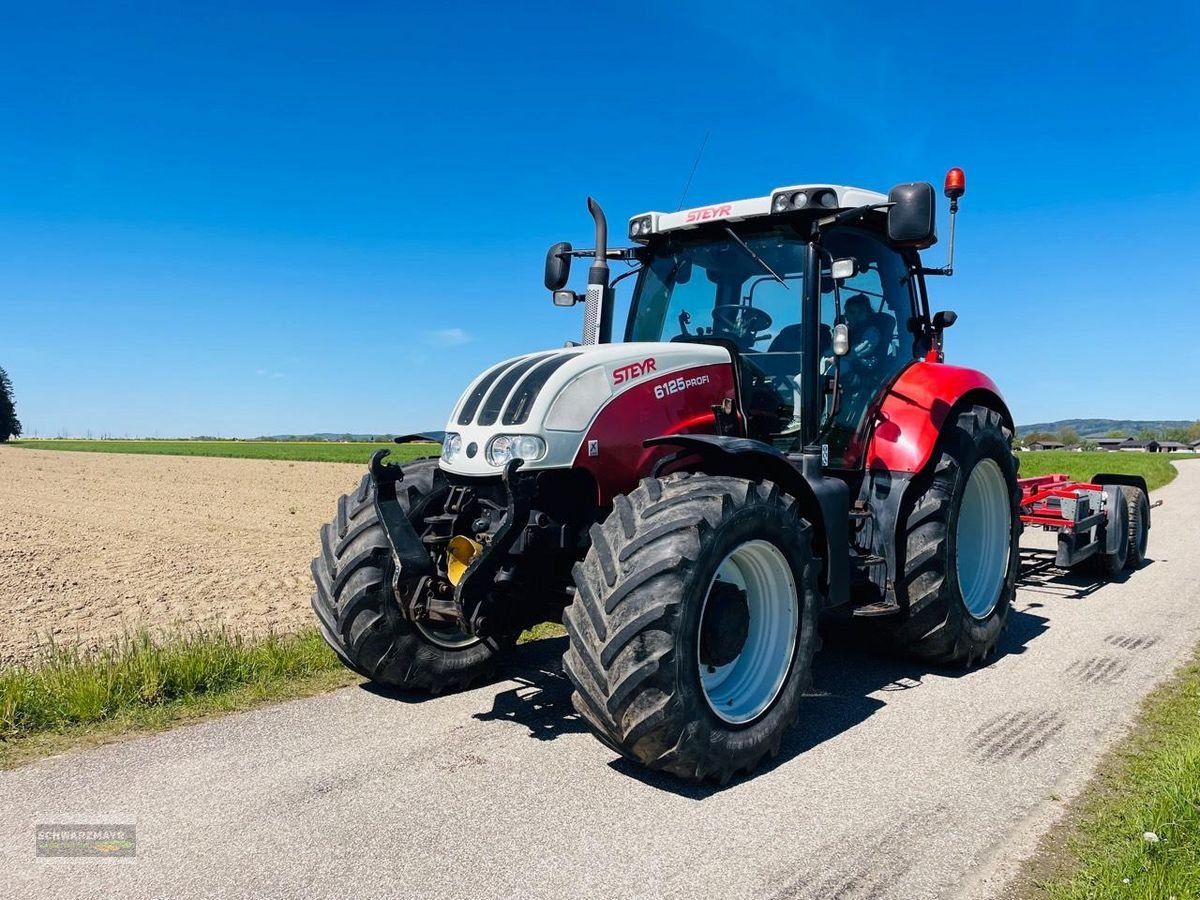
(900, 781)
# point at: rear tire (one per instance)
(356, 605)
(693, 627)
(1139, 527)
(958, 544)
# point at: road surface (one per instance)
(900, 782)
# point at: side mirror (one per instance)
(558, 268)
(565, 298)
(843, 269)
(910, 221)
(841, 339)
(944, 319)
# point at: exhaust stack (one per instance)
(598, 306)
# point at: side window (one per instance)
(877, 304)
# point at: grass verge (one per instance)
(1156, 468)
(69, 698)
(298, 451)
(1135, 830)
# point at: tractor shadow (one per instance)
(849, 675)
(1039, 575)
(541, 701)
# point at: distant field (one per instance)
(1156, 468)
(301, 451)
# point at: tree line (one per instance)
(10, 425)
(1071, 438)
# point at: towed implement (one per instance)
(776, 435)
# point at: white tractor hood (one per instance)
(557, 394)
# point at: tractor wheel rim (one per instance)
(449, 637)
(742, 689)
(982, 539)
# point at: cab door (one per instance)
(883, 342)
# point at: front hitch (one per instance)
(411, 557)
(474, 590)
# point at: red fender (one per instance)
(914, 409)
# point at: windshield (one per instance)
(717, 288)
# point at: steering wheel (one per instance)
(741, 320)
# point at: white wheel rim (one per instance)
(739, 691)
(982, 539)
(451, 637)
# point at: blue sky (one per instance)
(244, 219)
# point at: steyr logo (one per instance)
(633, 370)
(709, 212)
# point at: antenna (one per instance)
(688, 186)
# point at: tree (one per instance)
(10, 425)
(1068, 436)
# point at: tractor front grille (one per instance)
(507, 392)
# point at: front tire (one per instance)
(957, 548)
(356, 606)
(693, 627)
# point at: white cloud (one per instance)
(447, 337)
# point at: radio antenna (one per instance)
(688, 186)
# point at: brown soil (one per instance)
(95, 544)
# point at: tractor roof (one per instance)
(820, 197)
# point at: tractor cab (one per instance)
(816, 291)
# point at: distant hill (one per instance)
(1094, 428)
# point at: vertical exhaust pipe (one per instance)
(598, 306)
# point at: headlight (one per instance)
(451, 447)
(506, 447)
(780, 203)
(799, 199)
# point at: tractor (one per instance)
(776, 435)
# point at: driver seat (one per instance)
(790, 337)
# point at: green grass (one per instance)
(1156, 468)
(68, 696)
(300, 451)
(1150, 784)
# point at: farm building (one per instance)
(1111, 443)
(1047, 445)
(1172, 447)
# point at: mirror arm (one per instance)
(625, 254)
(848, 215)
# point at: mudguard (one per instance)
(909, 420)
(1131, 481)
(826, 500)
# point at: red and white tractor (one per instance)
(776, 435)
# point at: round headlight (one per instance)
(780, 203)
(506, 447)
(799, 199)
(828, 199)
(529, 447)
(451, 447)
(500, 450)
